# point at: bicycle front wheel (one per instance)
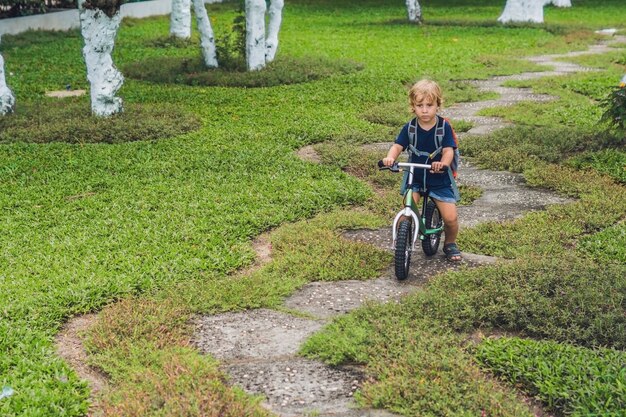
(404, 243)
(433, 220)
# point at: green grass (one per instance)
(611, 162)
(606, 245)
(87, 224)
(569, 380)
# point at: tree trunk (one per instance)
(180, 19)
(414, 11)
(276, 17)
(207, 38)
(255, 34)
(522, 11)
(99, 30)
(7, 100)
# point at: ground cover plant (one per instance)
(177, 70)
(85, 225)
(593, 381)
(71, 121)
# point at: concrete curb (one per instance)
(68, 19)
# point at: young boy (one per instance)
(425, 99)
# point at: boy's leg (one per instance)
(450, 219)
(416, 197)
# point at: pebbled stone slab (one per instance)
(299, 387)
(254, 334)
(505, 196)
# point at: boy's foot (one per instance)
(452, 252)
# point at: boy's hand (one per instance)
(388, 161)
(437, 167)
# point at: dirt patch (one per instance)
(308, 154)
(65, 93)
(263, 249)
(69, 346)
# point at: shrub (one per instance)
(15, 8)
(574, 381)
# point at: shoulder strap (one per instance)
(412, 148)
(440, 131)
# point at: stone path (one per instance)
(258, 347)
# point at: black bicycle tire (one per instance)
(432, 217)
(402, 255)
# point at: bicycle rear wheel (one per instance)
(433, 220)
(404, 243)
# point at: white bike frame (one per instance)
(408, 211)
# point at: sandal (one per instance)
(452, 252)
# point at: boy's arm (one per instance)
(393, 154)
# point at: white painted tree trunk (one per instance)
(255, 34)
(7, 99)
(99, 32)
(180, 19)
(414, 11)
(275, 19)
(207, 38)
(522, 11)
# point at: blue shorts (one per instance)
(447, 195)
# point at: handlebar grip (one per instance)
(381, 164)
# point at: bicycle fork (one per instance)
(407, 212)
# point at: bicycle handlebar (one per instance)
(397, 165)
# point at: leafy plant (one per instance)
(615, 113)
(231, 47)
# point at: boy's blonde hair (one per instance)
(425, 90)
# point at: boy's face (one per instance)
(425, 110)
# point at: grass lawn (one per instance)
(162, 224)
